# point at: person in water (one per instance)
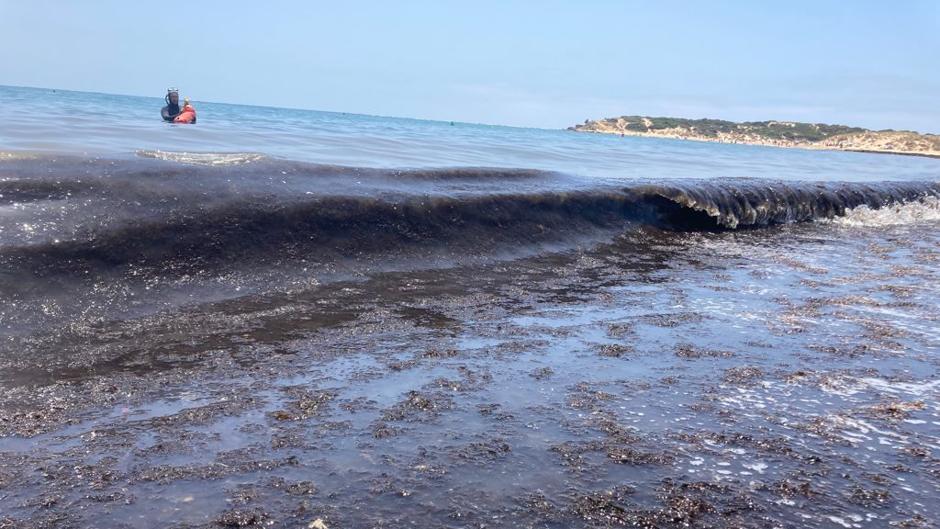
(172, 108)
(187, 115)
(172, 111)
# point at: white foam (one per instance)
(848, 386)
(7, 155)
(924, 210)
(203, 158)
(840, 521)
(758, 467)
(916, 389)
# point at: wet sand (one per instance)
(784, 377)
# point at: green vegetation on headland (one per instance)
(774, 133)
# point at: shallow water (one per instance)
(218, 340)
(784, 377)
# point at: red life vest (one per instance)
(188, 115)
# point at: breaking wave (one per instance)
(915, 212)
(82, 215)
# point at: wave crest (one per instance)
(758, 203)
(915, 212)
(105, 214)
(203, 158)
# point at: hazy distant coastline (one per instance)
(788, 134)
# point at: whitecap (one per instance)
(924, 210)
(203, 158)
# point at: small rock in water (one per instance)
(317, 524)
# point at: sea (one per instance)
(294, 318)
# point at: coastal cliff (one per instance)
(772, 133)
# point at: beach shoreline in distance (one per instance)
(784, 134)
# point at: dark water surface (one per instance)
(239, 340)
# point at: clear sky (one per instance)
(533, 63)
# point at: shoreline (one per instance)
(899, 153)
(808, 147)
(402, 392)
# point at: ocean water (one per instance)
(82, 123)
(277, 316)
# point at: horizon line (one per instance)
(453, 121)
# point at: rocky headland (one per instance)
(772, 133)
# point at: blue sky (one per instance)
(538, 63)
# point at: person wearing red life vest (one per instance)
(187, 114)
